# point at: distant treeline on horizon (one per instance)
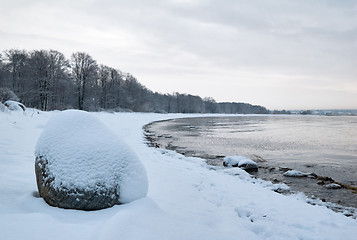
(46, 80)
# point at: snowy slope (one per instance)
(186, 200)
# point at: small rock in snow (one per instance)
(241, 162)
(231, 161)
(333, 186)
(294, 173)
(15, 106)
(248, 165)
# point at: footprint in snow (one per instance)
(245, 213)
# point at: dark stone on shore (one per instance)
(333, 186)
(227, 165)
(81, 199)
(249, 167)
(241, 162)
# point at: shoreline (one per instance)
(342, 199)
(187, 199)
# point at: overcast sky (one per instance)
(297, 54)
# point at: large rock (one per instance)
(81, 164)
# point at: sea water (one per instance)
(325, 145)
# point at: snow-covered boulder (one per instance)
(295, 173)
(81, 164)
(232, 161)
(241, 162)
(333, 186)
(15, 106)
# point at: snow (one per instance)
(3, 108)
(15, 106)
(247, 161)
(230, 161)
(186, 198)
(82, 153)
(295, 173)
(239, 161)
(333, 186)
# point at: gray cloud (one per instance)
(256, 51)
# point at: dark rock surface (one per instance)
(249, 167)
(95, 198)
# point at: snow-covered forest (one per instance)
(47, 80)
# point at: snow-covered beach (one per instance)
(186, 198)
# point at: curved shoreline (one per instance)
(312, 185)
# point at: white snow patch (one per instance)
(247, 162)
(295, 173)
(230, 161)
(239, 161)
(15, 106)
(3, 108)
(333, 186)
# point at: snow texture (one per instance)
(186, 198)
(3, 108)
(82, 153)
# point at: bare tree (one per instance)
(59, 78)
(84, 69)
(40, 76)
(48, 70)
(15, 61)
(210, 105)
(104, 80)
(3, 72)
(45, 79)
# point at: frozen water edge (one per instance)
(186, 200)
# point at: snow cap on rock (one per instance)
(81, 153)
(295, 173)
(15, 106)
(240, 161)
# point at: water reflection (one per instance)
(328, 143)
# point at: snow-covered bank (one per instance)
(186, 200)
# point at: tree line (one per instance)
(47, 80)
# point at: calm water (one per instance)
(324, 145)
(320, 144)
